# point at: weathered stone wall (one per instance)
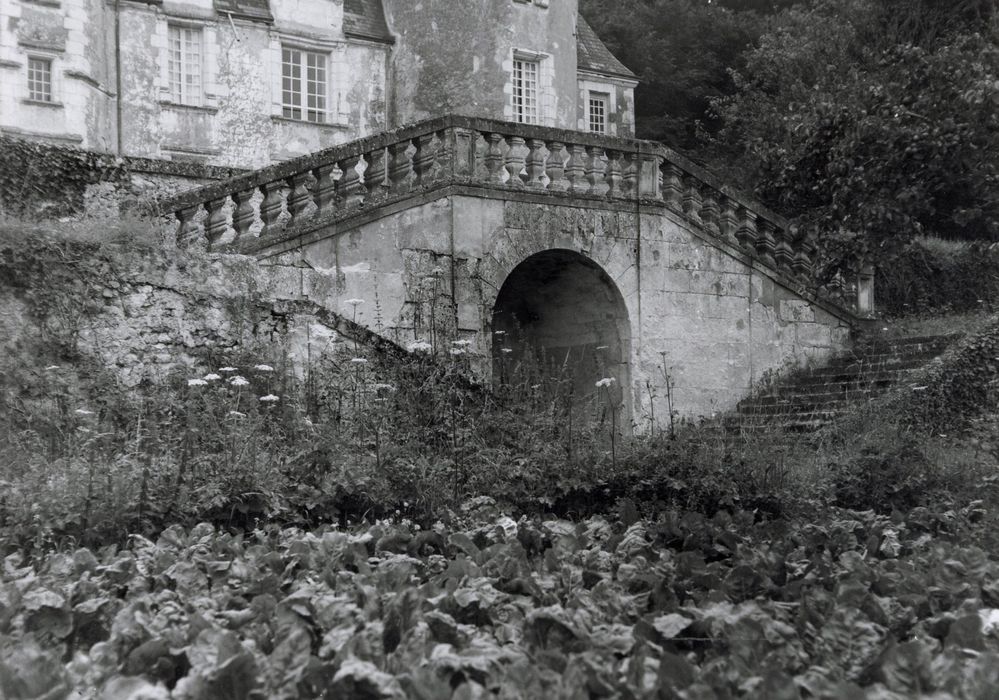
(74, 35)
(455, 56)
(240, 123)
(709, 317)
(148, 313)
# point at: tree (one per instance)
(868, 121)
(681, 51)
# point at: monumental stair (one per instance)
(810, 400)
(612, 252)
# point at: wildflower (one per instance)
(83, 412)
(237, 414)
(51, 367)
(358, 361)
(211, 377)
(270, 398)
(383, 387)
(227, 369)
(353, 302)
(196, 382)
(419, 346)
(507, 350)
(605, 382)
(238, 381)
(263, 368)
(535, 386)
(457, 351)
(919, 388)
(499, 332)
(461, 343)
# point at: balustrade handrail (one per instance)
(480, 152)
(300, 164)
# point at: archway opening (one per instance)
(560, 318)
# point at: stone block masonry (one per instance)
(595, 256)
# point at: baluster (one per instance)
(536, 164)
(423, 160)
(765, 244)
(270, 208)
(557, 181)
(447, 147)
(673, 190)
(709, 211)
(514, 162)
(399, 167)
(746, 232)
(494, 158)
(629, 183)
(374, 176)
(613, 174)
(595, 170)
(187, 228)
(243, 214)
(299, 196)
(692, 198)
(784, 254)
(728, 222)
(324, 187)
(216, 223)
(803, 259)
(350, 188)
(575, 170)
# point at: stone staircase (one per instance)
(807, 401)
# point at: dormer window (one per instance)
(598, 105)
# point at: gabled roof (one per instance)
(257, 10)
(592, 55)
(365, 19)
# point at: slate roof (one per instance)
(592, 55)
(257, 10)
(365, 19)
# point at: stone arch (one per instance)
(562, 313)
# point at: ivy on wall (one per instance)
(39, 179)
(42, 180)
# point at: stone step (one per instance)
(807, 402)
(928, 341)
(805, 405)
(859, 366)
(834, 392)
(883, 358)
(847, 379)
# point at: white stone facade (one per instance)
(206, 81)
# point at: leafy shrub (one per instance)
(935, 276)
(838, 604)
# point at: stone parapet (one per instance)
(263, 208)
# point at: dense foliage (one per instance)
(866, 122)
(850, 604)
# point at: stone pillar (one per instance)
(865, 292)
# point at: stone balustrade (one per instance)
(305, 193)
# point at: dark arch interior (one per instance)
(561, 314)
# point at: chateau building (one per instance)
(244, 83)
